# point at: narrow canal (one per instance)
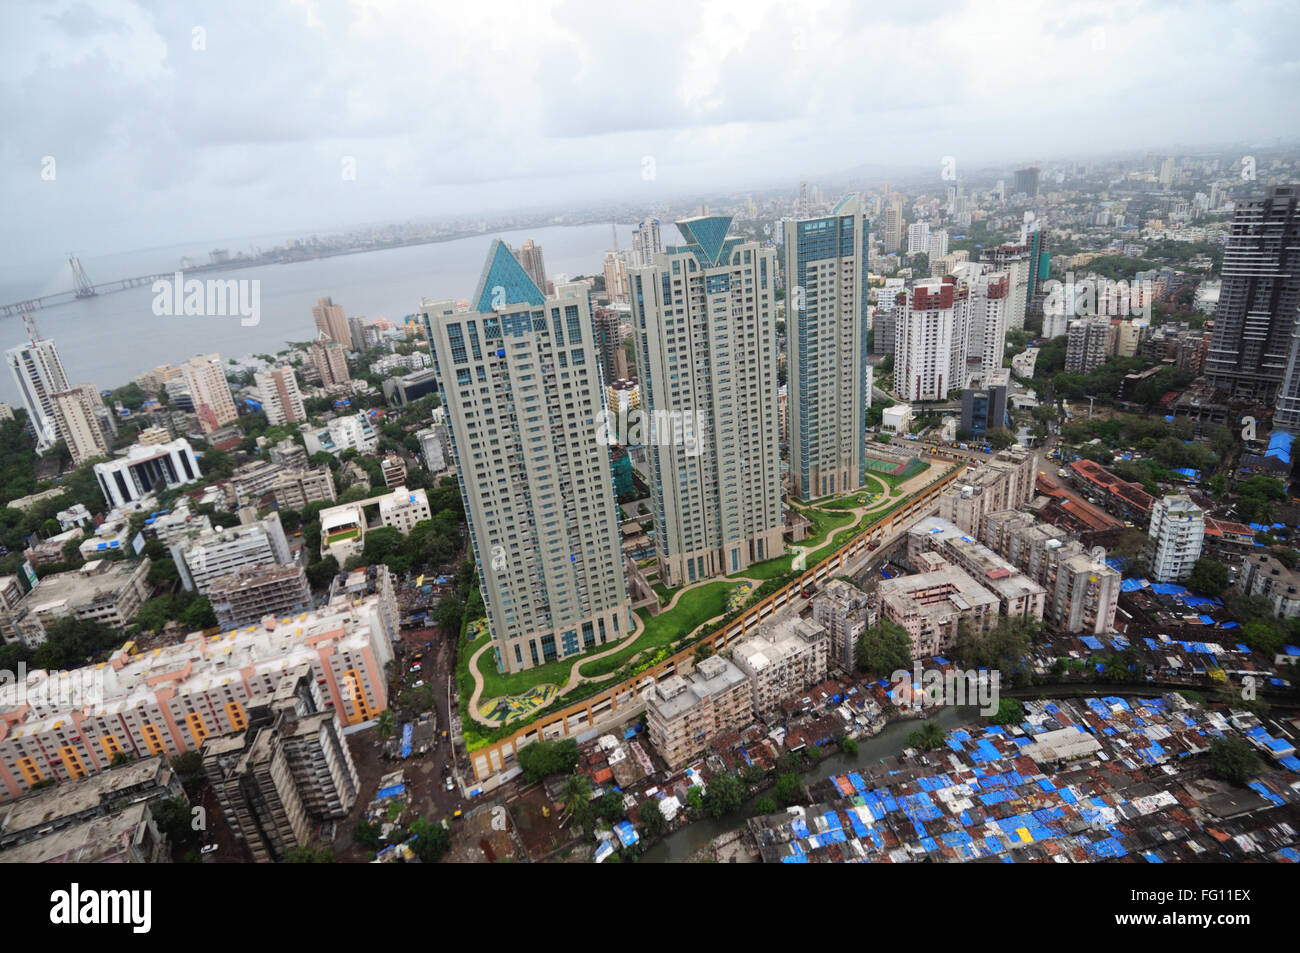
(681, 844)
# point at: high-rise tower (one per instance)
(518, 374)
(826, 326)
(704, 319)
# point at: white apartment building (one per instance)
(1176, 532)
(434, 445)
(38, 375)
(1015, 260)
(918, 238)
(827, 321)
(704, 321)
(205, 379)
(202, 557)
(989, 301)
(403, 508)
(938, 244)
(281, 398)
(931, 338)
(146, 469)
(107, 591)
(1086, 344)
(846, 612)
(646, 242)
(77, 412)
(519, 376)
(353, 432)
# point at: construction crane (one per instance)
(84, 288)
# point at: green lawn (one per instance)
(870, 485)
(823, 524)
(767, 569)
(496, 683)
(694, 607)
(663, 592)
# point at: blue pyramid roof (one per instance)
(707, 234)
(503, 271)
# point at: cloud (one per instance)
(172, 125)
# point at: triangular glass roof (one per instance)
(504, 272)
(707, 235)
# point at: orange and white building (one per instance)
(67, 725)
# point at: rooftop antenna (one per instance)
(33, 332)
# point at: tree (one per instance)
(883, 648)
(1002, 647)
(1232, 760)
(1262, 637)
(765, 805)
(188, 764)
(321, 572)
(789, 789)
(1209, 577)
(385, 724)
(694, 799)
(724, 796)
(366, 833)
(928, 737)
(1010, 711)
(174, 818)
(610, 806)
(577, 801)
(999, 438)
(652, 818)
(431, 841)
(544, 758)
(849, 746)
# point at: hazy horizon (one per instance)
(131, 124)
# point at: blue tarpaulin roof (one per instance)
(1279, 445)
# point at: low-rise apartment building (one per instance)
(100, 591)
(846, 612)
(936, 605)
(251, 594)
(1269, 577)
(784, 658)
(684, 714)
(173, 698)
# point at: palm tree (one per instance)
(929, 737)
(577, 800)
(386, 724)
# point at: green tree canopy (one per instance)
(883, 648)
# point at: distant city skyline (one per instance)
(166, 144)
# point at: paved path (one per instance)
(575, 677)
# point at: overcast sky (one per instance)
(172, 122)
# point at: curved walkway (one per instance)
(575, 676)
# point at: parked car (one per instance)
(451, 784)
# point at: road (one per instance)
(439, 659)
